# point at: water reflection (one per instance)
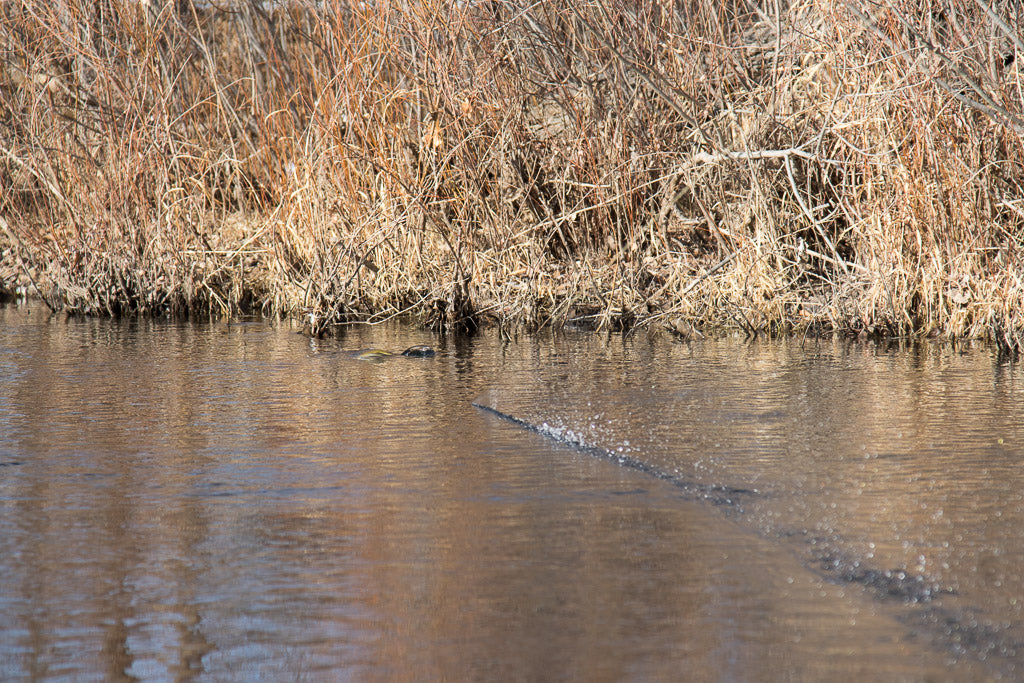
(218, 500)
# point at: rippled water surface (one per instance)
(233, 501)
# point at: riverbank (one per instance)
(608, 163)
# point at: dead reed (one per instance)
(774, 166)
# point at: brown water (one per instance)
(237, 501)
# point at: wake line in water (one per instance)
(713, 493)
(954, 627)
(823, 556)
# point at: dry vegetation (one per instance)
(852, 165)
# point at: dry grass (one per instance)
(817, 164)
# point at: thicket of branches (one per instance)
(773, 165)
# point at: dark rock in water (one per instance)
(418, 352)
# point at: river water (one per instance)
(214, 501)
